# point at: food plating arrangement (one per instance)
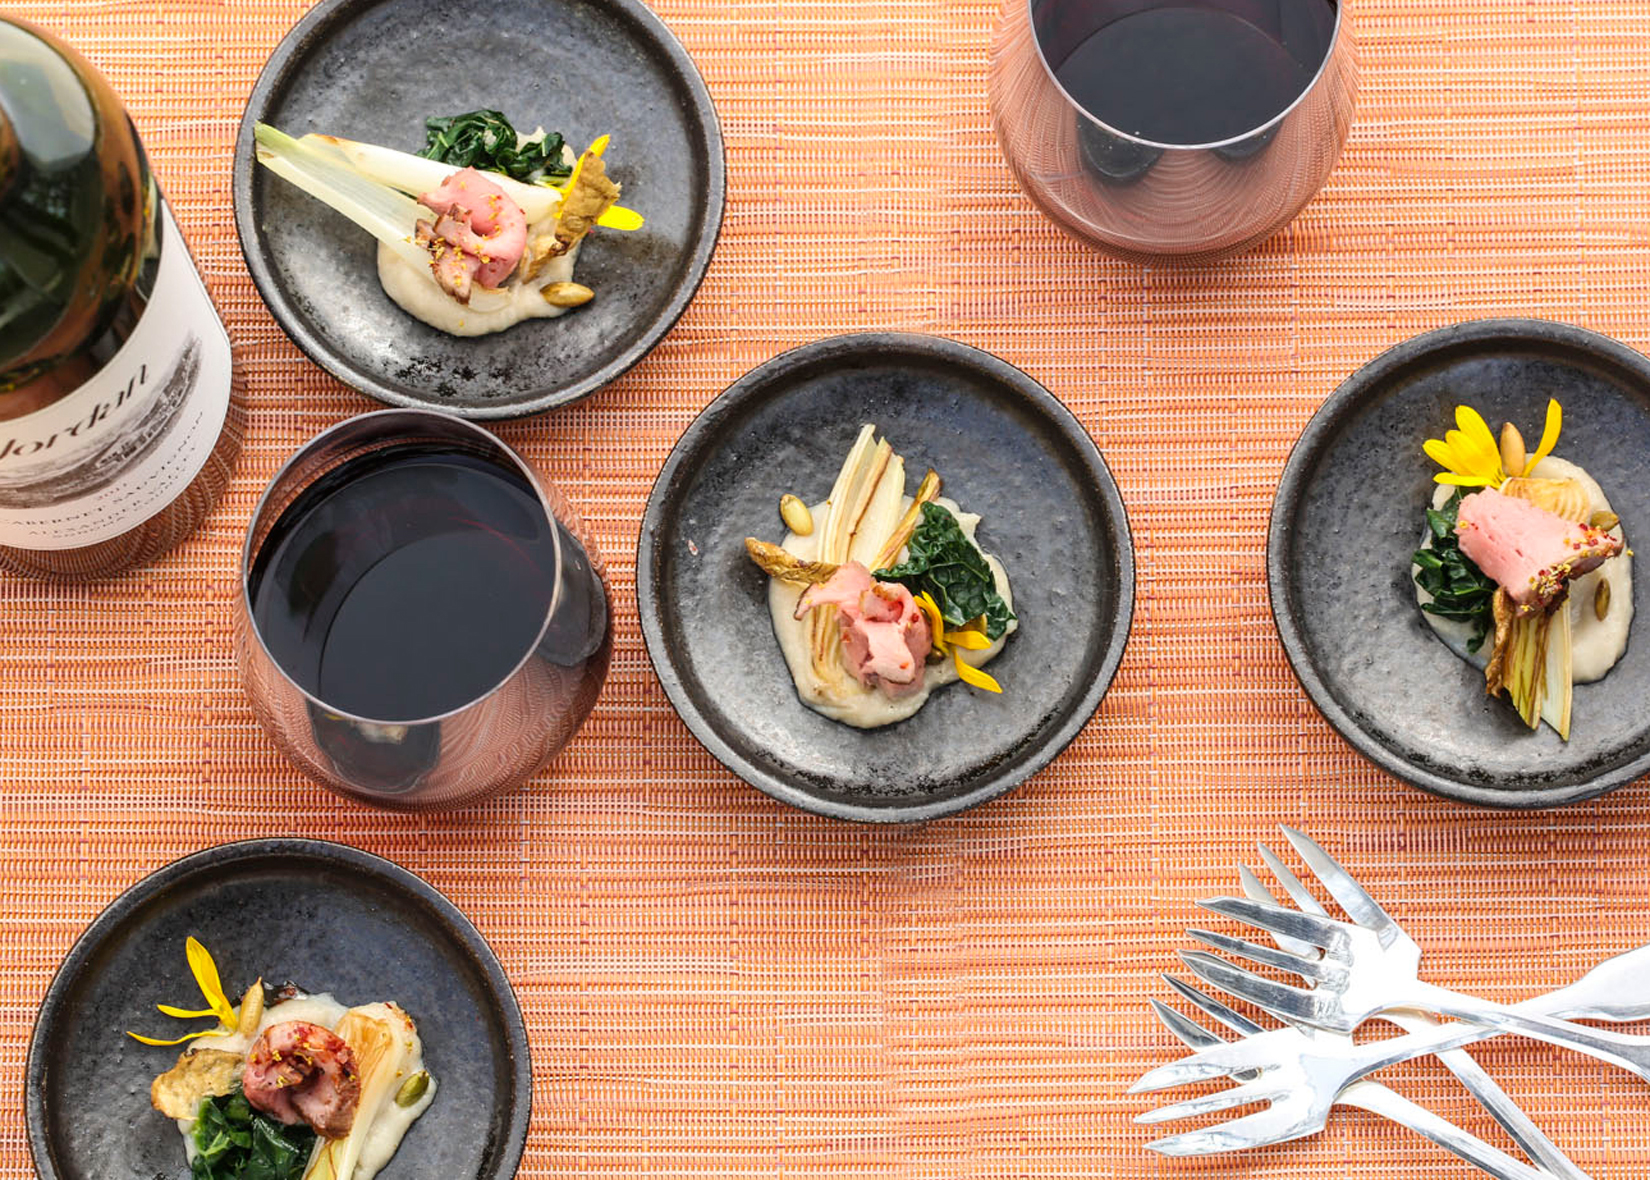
(612, 551)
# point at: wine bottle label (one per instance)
(120, 448)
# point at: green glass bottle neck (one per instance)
(77, 209)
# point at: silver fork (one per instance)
(1402, 951)
(1370, 1096)
(1297, 1077)
(1353, 981)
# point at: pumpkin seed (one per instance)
(413, 1088)
(1603, 519)
(796, 515)
(1513, 454)
(567, 294)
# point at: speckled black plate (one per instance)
(328, 917)
(1007, 449)
(1349, 514)
(373, 70)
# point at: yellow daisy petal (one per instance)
(1549, 436)
(184, 1013)
(209, 1032)
(936, 621)
(206, 977)
(972, 675)
(971, 640)
(1472, 425)
(1472, 457)
(1462, 481)
(1440, 453)
(618, 217)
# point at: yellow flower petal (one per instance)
(1472, 458)
(1472, 425)
(185, 1014)
(1440, 453)
(1549, 436)
(936, 621)
(972, 640)
(206, 977)
(1462, 481)
(972, 675)
(209, 1032)
(618, 217)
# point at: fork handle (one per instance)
(1533, 1019)
(1529, 1137)
(1390, 1104)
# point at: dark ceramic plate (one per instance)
(328, 917)
(1349, 514)
(1007, 449)
(373, 70)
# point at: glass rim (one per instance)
(449, 421)
(1260, 129)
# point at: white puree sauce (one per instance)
(415, 291)
(390, 1123)
(1596, 644)
(865, 708)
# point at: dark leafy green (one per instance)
(944, 562)
(235, 1142)
(1459, 588)
(485, 140)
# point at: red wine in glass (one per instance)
(1187, 73)
(439, 623)
(1221, 117)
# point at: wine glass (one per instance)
(422, 618)
(1173, 129)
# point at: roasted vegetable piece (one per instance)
(199, 1074)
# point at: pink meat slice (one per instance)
(1530, 552)
(885, 634)
(298, 1072)
(476, 218)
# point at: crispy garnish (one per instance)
(787, 566)
(928, 489)
(200, 1073)
(589, 194)
(1495, 673)
(1561, 497)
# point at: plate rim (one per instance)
(273, 76)
(36, 1069)
(1323, 426)
(753, 384)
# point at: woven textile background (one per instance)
(718, 986)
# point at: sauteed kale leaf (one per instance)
(235, 1142)
(944, 562)
(485, 139)
(1459, 589)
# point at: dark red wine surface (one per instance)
(1196, 73)
(406, 583)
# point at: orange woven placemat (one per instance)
(718, 986)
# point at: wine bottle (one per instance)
(120, 409)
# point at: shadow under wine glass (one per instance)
(1229, 160)
(475, 747)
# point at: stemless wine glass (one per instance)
(484, 745)
(1204, 171)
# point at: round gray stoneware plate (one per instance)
(1005, 448)
(1348, 515)
(373, 70)
(327, 917)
